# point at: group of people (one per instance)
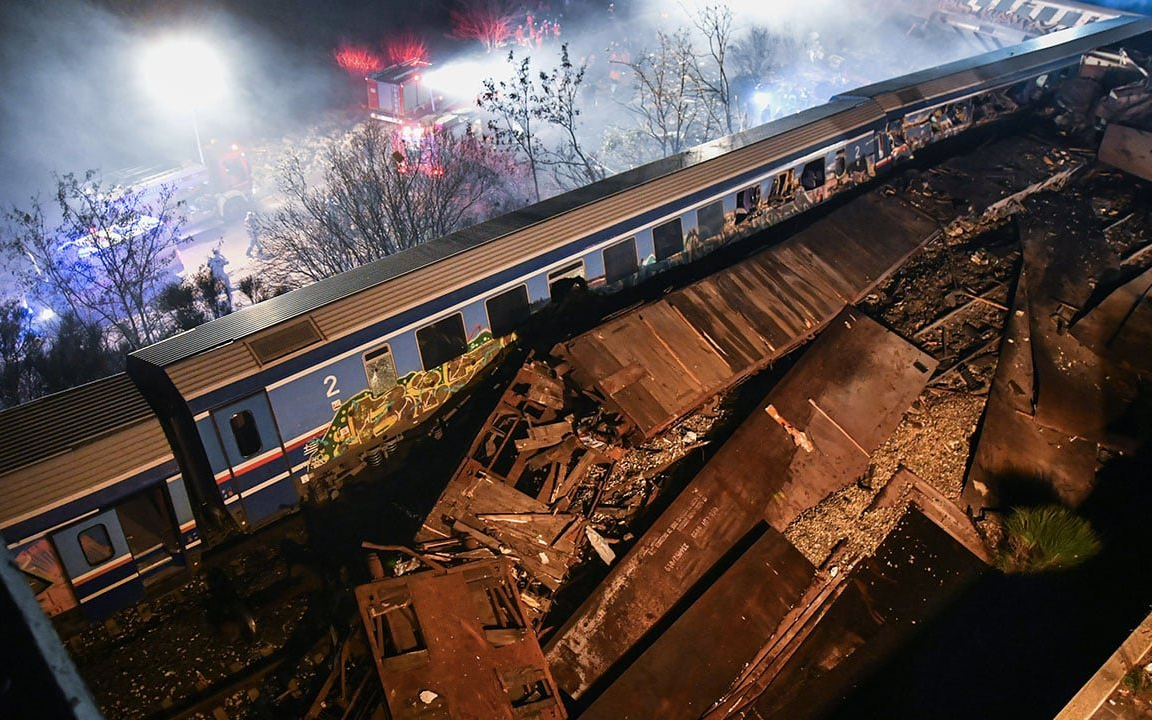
(217, 261)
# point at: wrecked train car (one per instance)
(812, 435)
(277, 403)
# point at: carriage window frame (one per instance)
(371, 359)
(91, 558)
(819, 172)
(246, 435)
(508, 321)
(662, 240)
(614, 269)
(783, 187)
(460, 346)
(710, 219)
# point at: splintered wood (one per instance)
(512, 493)
(549, 482)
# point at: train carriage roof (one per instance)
(1009, 64)
(269, 313)
(65, 420)
(68, 445)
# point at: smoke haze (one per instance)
(75, 99)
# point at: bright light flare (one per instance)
(761, 99)
(464, 80)
(184, 71)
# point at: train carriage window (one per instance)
(710, 219)
(96, 544)
(563, 279)
(380, 368)
(840, 167)
(812, 176)
(508, 310)
(442, 341)
(620, 261)
(783, 186)
(246, 434)
(747, 202)
(668, 239)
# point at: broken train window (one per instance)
(562, 280)
(812, 176)
(747, 202)
(380, 368)
(783, 187)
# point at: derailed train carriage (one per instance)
(106, 486)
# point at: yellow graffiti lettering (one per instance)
(404, 405)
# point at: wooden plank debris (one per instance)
(510, 496)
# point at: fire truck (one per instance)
(219, 191)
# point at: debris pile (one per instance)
(550, 481)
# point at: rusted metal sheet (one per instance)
(454, 643)
(1014, 452)
(1120, 327)
(713, 640)
(885, 600)
(1063, 251)
(658, 362)
(846, 395)
(832, 578)
(1127, 149)
(1049, 407)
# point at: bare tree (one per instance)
(487, 21)
(513, 103)
(760, 53)
(382, 192)
(107, 257)
(715, 23)
(558, 106)
(538, 114)
(19, 345)
(667, 103)
(77, 352)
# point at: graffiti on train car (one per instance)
(368, 417)
(41, 566)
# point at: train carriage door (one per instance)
(255, 453)
(97, 558)
(151, 531)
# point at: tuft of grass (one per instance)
(1046, 538)
(1137, 680)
